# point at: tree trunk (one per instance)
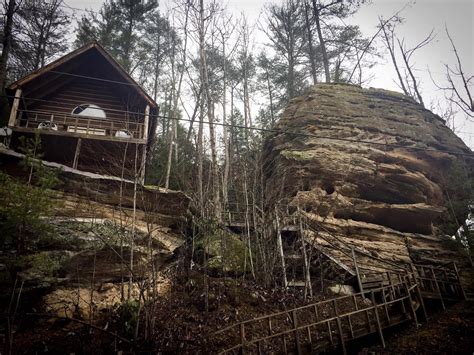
(7, 42)
(210, 115)
(327, 74)
(311, 55)
(225, 180)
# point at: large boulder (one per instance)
(369, 164)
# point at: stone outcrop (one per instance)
(367, 164)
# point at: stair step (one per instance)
(293, 257)
(296, 284)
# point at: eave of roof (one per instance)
(33, 75)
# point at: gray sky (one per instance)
(421, 16)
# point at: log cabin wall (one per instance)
(83, 91)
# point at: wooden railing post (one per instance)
(377, 319)
(242, 338)
(463, 293)
(385, 304)
(339, 327)
(412, 308)
(280, 249)
(296, 335)
(356, 268)
(437, 288)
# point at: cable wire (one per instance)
(287, 132)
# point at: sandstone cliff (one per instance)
(375, 182)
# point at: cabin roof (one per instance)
(93, 46)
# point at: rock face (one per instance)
(367, 164)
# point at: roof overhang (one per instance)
(88, 47)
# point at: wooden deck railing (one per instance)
(66, 122)
(319, 326)
(330, 323)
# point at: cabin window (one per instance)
(89, 110)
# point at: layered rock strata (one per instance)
(368, 165)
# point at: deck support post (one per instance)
(14, 110)
(143, 166)
(77, 153)
(146, 122)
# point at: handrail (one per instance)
(400, 292)
(276, 314)
(83, 123)
(342, 315)
(337, 317)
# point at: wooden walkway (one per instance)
(332, 323)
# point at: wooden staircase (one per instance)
(389, 299)
(324, 325)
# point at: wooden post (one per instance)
(308, 329)
(412, 309)
(77, 153)
(377, 319)
(295, 327)
(459, 280)
(280, 249)
(307, 283)
(437, 288)
(14, 110)
(420, 297)
(339, 327)
(392, 289)
(242, 338)
(356, 268)
(350, 325)
(385, 305)
(143, 165)
(330, 332)
(146, 120)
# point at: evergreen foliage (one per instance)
(24, 205)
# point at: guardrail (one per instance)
(320, 326)
(70, 123)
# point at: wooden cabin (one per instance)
(91, 115)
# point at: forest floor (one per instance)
(449, 332)
(182, 325)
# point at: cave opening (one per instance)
(329, 189)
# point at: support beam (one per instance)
(146, 122)
(77, 153)
(143, 166)
(14, 110)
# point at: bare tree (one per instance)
(407, 80)
(176, 93)
(459, 89)
(7, 41)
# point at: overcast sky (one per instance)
(421, 17)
